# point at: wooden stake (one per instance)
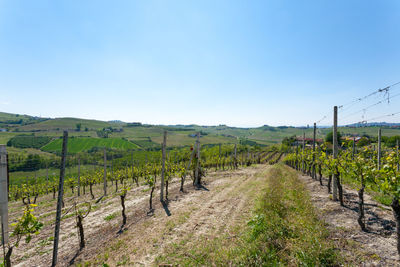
(314, 136)
(3, 195)
(397, 153)
(379, 147)
(47, 179)
(79, 176)
(105, 173)
(164, 144)
(302, 156)
(335, 151)
(60, 198)
(197, 178)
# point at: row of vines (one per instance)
(380, 176)
(121, 180)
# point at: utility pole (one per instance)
(335, 152)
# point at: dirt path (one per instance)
(378, 245)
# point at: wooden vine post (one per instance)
(197, 178)
(303, 167)
(47, 178)
(335, 152)
(105, 173)
(8, 178)
(219, 157)
(164, 144)
(60, 198)
(297, 154)
(313, 148)
(397, 153)
(354, 148)
(235, 159)
(3, 198)
(79, 177)
(379, 147)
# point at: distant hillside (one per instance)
(147, 136)
(370, 124)
(12, 121)
(60, 124)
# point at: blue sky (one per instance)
(241, 63)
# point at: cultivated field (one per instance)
(208, 226)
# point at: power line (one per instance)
(382, 90)
(371, 106)
(379, 117)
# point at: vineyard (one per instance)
(182, 195)
(107, 193)
(89, 198)
(367, 170)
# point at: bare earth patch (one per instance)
(377, 247)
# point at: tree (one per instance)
(363, 141)
(32, 163)
(289, 140)
(78, 127)
(391, 141)
(329, 137)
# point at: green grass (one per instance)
(76, 145)
(284, 230)
(110, 216)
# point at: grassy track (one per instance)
(82, 144)
(282, 230)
